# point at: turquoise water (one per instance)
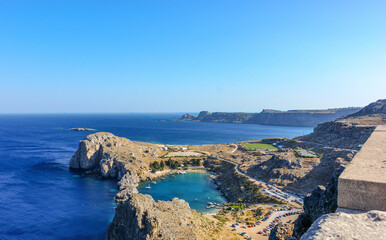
(196, 188)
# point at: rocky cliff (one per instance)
(351, 131)
(323, 200)
(140, 217)
(274, 117)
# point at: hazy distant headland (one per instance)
(307, 118)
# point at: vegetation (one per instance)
(195, 161)
(253, 146)
(172, 164)
(221, 218)
(212, 157)
(156, 166)
(297, 151)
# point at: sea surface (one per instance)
(196, 188)
(40, 198)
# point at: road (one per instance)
(253, 231)
(234, 150)
(269, 189)
(328, 147)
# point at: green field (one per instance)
(259, 146)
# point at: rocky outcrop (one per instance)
(113, 156)
(282, 231)
(339, 134)
(375, 108)
(370, 225)
(140, 217)
(350, 131)
(323, 200)
(274, 117)
(90, 151)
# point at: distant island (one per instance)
(306, 118)
(82, 129)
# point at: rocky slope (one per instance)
(138, 216)
(351, 131)
(113, 156)
(370, 225)
(274, 117)
(234, 186)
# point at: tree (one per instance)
(162, 165)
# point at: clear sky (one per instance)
(187, 56)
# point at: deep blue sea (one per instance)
(41, 199)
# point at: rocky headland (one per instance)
(137, 215)
(274, 117)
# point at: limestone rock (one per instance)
(282, 231)
(140, 217)
(90, 151)
(370, 225)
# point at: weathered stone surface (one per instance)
(370, 225)
(282, 231)
(90, 151)
(362, 185)
(140, 217)
(339, 134)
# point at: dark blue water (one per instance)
(196, 188)
(41, 199)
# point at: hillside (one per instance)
(350, 131)
(274, 117)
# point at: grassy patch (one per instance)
(222, 219)
(252, 146)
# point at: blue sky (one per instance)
(187, 56)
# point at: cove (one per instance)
(196, 188)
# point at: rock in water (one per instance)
(366, 226)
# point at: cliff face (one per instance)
(273, 117)
(140, 217)
(350, 131)
(322, 200)
(339, 134)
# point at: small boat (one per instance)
(163, 178)
(154, 182)
(148, 186)
(172, 176)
